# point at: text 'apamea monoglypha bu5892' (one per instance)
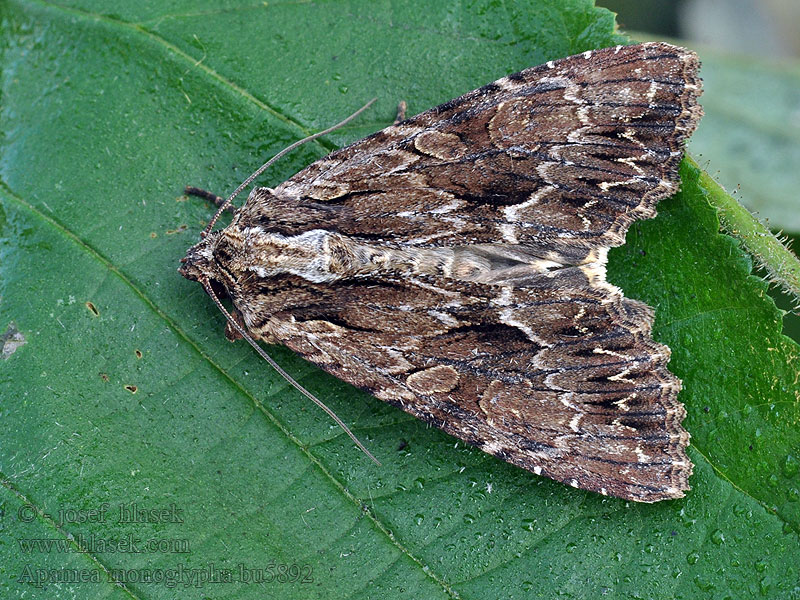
(453, 265)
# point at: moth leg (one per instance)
(401, 112)
(231, 333)
(205, 194)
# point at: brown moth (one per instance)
(454, 265)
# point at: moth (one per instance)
(454, 265)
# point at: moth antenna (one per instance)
(263, 354)
(264, 167)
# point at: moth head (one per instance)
(205, 261)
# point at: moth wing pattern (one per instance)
(453, 264)
(570, 151)
(570, 387)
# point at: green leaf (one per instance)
(125, 395)
(750, 136)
